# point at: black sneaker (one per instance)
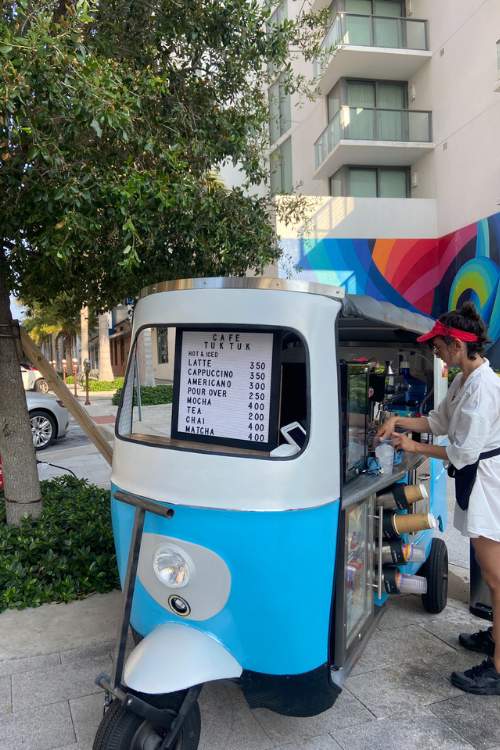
(481, 680)
(481, 642)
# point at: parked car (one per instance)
(33, 379)
(49, 419)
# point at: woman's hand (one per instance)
(402, 442)
(387, 430)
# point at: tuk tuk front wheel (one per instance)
(121, 729)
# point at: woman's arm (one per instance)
(403, 442)
(414, 424)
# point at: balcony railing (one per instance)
(371, 124)
(375, 31)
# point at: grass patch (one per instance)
(151, 395)
(66, 554)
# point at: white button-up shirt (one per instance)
(470, 416)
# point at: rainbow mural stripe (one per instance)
(428, 275)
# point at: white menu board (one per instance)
(223, 386)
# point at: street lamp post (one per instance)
(74, 369)
(86, 366)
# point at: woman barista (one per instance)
(470, 417)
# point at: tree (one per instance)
(113, 114)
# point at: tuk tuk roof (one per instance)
(364, 317)
(386, 321)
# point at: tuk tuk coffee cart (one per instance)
(255, 539)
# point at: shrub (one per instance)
(65, 554)
(151, 395)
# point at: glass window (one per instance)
(281, 168)
(359, 6)
(393, 8)
(371, 182)
(363, 183)
(361, 93)
(162, 345)
(280, 115)
(337, 183)
(233, 389)
(393, 183)
(392, 95)
(333, 101)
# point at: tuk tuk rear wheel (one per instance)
(436, 572)
(121, 729)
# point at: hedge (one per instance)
(66, 554)
(98, 385)
(151, 395)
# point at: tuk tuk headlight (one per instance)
(172, 566)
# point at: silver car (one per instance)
(49, 419)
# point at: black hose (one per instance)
(63, 468)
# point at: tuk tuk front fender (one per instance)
(174, 657)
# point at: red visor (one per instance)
(441, 330)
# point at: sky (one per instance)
(16, 309)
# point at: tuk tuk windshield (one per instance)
(231, 390)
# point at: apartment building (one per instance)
(400, 152)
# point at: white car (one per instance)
(33, 379)
(49, 419)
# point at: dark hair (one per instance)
(467, 318)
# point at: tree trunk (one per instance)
(105, 369)
(84, 337)
(21, 485)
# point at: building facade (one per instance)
(399, 154)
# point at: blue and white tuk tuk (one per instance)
(257, 540)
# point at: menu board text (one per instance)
(224, 385)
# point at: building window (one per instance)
(388, 8)
(281, 168)
(371, 182)
(280, 113)
(162, 345)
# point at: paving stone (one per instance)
(64, 682)
(393, 734)
(346, 710)
(386, 692)
(389, 648)
(39, 728)
(5, 695)
(28, 664)
(226, 721)
(92, 652)
(475, 717)
(451, 622)
(87, 714)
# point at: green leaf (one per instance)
(95, 125)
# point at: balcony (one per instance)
(370, 136)
(381, 46)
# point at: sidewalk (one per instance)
(398, 695)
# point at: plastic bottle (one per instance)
(385, 455)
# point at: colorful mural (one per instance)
(428, 276)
